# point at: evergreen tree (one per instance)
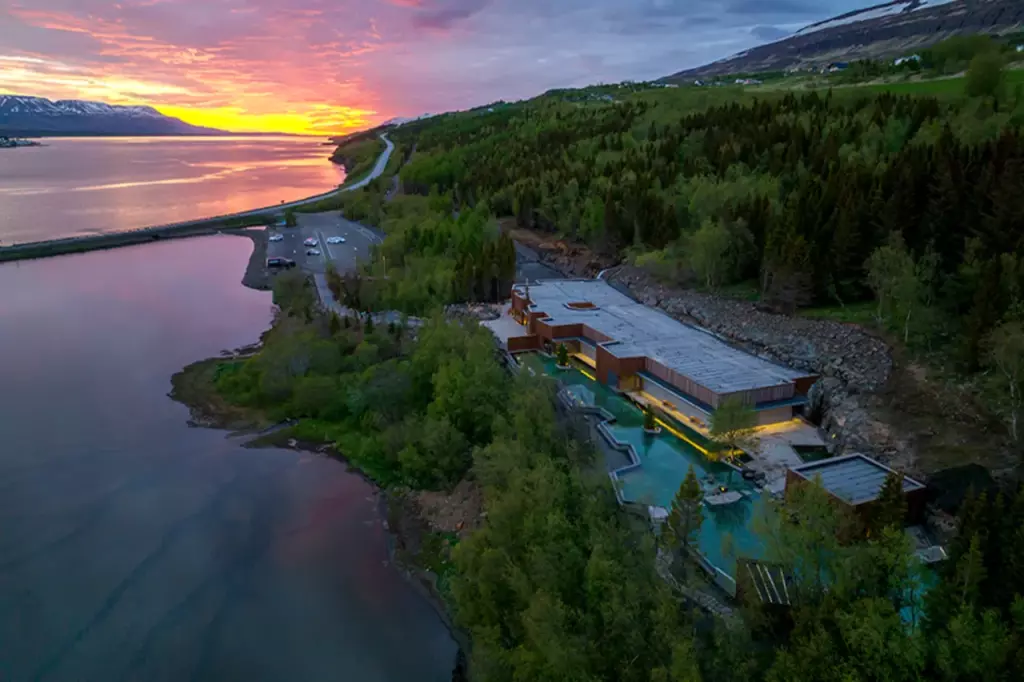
(682, 526)
(889, 510)
(562, 355)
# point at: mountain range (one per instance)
(886, 30)
(31, 116)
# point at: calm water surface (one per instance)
(135, 548)
(77, 186)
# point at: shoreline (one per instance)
(189, 228)
(402, 520)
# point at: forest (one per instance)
(838, 198)
(845, 199)
(560, 583)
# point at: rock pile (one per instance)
(856, 358)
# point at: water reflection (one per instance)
(133, 547)
(75, 186)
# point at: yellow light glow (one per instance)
(585, 360)
(679, 434)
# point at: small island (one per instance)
(12, 142)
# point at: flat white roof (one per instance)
(638, 330)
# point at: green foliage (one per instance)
(954, 54)
(562, 355)
(904, 288)
(707, 249)
(713, 186)
(985, 75)
(359, 155)
(289, 218)
(890, 509)
(556, 586)
(732, 425)
(825, 199)
(294, 294)
(434, 258)
(1005, 354)
(403, 410)
(684, 520)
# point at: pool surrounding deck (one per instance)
(664, 460)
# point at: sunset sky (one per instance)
(327, 66)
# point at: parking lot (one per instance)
(321, 227)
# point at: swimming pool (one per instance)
(664, 460)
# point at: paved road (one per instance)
(143, 234)
(377, 171)
(343, 257)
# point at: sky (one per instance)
(331, 66)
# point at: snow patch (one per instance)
(875, 12)
(71, 107)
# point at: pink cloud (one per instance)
(365, 60)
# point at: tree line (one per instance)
(561, 583)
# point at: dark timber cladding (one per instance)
(638, 347)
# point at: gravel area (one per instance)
(256, 274)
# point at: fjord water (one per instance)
(133, 547)
(79, 186)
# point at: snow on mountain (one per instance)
(873, 12)
(38, 115)
(883, 30)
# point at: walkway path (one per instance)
(706, 601)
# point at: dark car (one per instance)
(280, 263)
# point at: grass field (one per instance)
(951, 87)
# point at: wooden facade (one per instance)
(621, 372)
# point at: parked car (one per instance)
(280, 263)
(276, 237)
(313, 252)
(310, 242)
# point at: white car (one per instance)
(310, 242)
(312, 252)
(276, 237)
(335, 240)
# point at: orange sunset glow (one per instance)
(331, 66)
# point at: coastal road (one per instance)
(181, 229)
(378, 170)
